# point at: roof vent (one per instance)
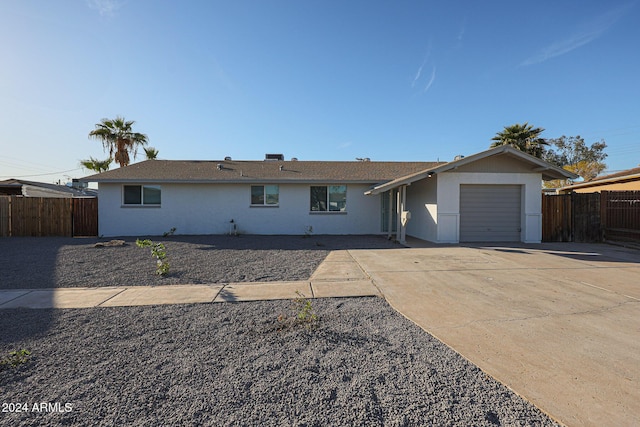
(363, 159)
(294, 159)
(281, 168)
(458, 157)
(228, 158)
(274, 157)
(219, 166)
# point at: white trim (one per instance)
(142, 203)
(264, 204)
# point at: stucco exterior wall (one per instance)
(422, 203)
(209, 208)
(448, 197)
(435, 204)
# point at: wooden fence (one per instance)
(85, 217)
(621, 214)
(591, 217)
(557, 223)
(44, 216)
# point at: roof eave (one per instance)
(408, 180)
(234, 181)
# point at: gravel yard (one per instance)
(235, 364)
(66, 262)
(227, 363)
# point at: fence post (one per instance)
(604, 197)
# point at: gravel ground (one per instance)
(227, 363)
(36, 262)
(236, 364)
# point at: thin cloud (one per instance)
(417, 77)
(104, 7)
(594, 30)
(424, 62)
(431, 80)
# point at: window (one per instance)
(142, 195)
(329, 198)
(264, 195)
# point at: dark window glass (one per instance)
(132, 195)
(257, 194)
(318, 199)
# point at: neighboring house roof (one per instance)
(42, 189)
(548, 170)
(276, 171)
(614, 178)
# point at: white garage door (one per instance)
(490, 213)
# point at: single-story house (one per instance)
(627, 180)
(490, 196)
(21, 187)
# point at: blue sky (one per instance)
(316, 80)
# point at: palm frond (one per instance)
(118, 138)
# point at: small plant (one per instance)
(15, 359)
(303, 313)
(304, 309)
(308, 231)
(159, 251)
(169, 233)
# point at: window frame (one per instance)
(142, 196)
(328, 201)
(265, 195)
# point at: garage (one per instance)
(491, 196)
(490, 213)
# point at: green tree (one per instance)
(118, 137)
(523, 137)
(151, 153)
(573, 154)
(96, 165)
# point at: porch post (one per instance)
(398, 214)
(390, 214)
(403, 227)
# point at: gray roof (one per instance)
(239, 171)
(43, 189)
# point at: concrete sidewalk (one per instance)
(338, 276)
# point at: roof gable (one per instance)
(486, 161)
(504, 164)
(548, 170)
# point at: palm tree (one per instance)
(151, 153)
(119, 138)
(96, 165)
(524, 137)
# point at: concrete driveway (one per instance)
(557, 323)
